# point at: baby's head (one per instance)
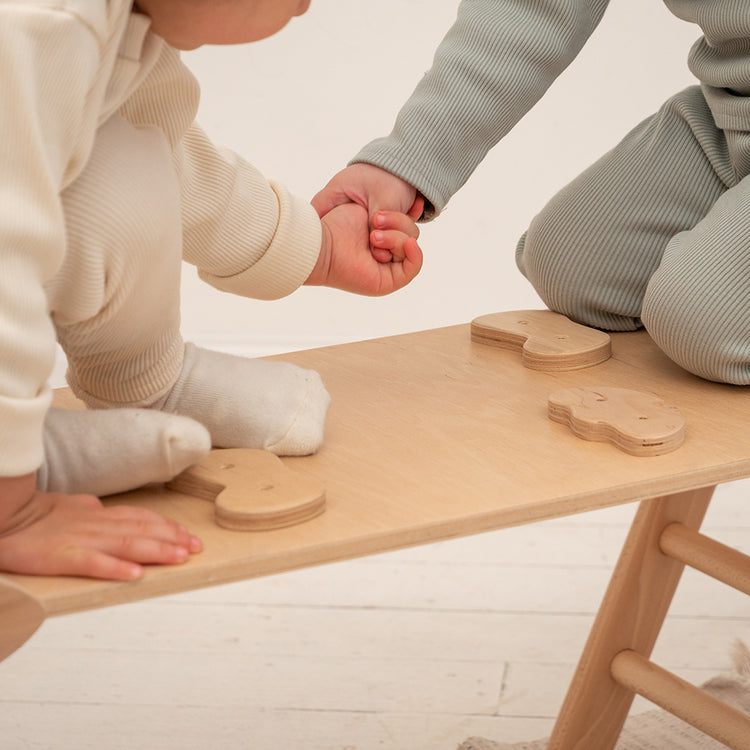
(187, 24)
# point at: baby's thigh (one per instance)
(124, 235)
(115, 298)
(592, 250)
(697, 305)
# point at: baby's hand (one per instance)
(390, 231)
(369, 186)
(379, 192)
(53, 533)
(346, 261)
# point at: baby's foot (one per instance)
(101, 452)
(251, 403)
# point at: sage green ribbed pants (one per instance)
(656, 233)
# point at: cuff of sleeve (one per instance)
(21, 443)
(289, 259)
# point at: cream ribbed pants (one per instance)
(115, 301)
(115, 305)
(656, 233)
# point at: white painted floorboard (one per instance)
(416, 649)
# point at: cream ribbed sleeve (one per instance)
(66, 67)
(245, 234)
(43, 137)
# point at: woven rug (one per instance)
(659, 730)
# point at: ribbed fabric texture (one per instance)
(653, 233)
(500, 57)
(107, 184)
(494, 64)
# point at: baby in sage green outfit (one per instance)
(656, 233)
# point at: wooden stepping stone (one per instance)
(547, 340)
(252, 490)
(638, 423)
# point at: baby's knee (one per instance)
(544, 258)
(704, 335)
(572, 275)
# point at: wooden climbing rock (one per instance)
(547, 340)
(252, 490)
(636, 422)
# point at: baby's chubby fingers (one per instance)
(146, 522)
(142, 536)
(116, 549)
(381, 255)
(391, 230)
(78, 535)
(93, 563)
(395, 221)
(413, 260)
(404, 272)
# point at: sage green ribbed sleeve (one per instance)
(495, 63)
(500, 57)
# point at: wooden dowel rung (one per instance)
(707, 555)
(689, 703)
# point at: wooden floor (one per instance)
(417, 649)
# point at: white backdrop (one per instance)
(300, 104)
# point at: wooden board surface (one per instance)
(432, 436)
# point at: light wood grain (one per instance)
(432, 436)
(700, 709)
(638, 423)
(252, 490)
(725, 564)
(630, 617)
(546, 340)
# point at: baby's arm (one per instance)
(493, 65)
(53, 533)
(391, 230)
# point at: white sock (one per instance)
(251, 403)
(101, 452)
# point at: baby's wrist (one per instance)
(319, 274)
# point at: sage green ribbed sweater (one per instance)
(500, 57)
(656, 233)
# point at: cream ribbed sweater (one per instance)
(66, 67)
(501, 56)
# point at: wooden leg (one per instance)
(20, 615)
(630, 617)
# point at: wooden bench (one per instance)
(432, 436)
